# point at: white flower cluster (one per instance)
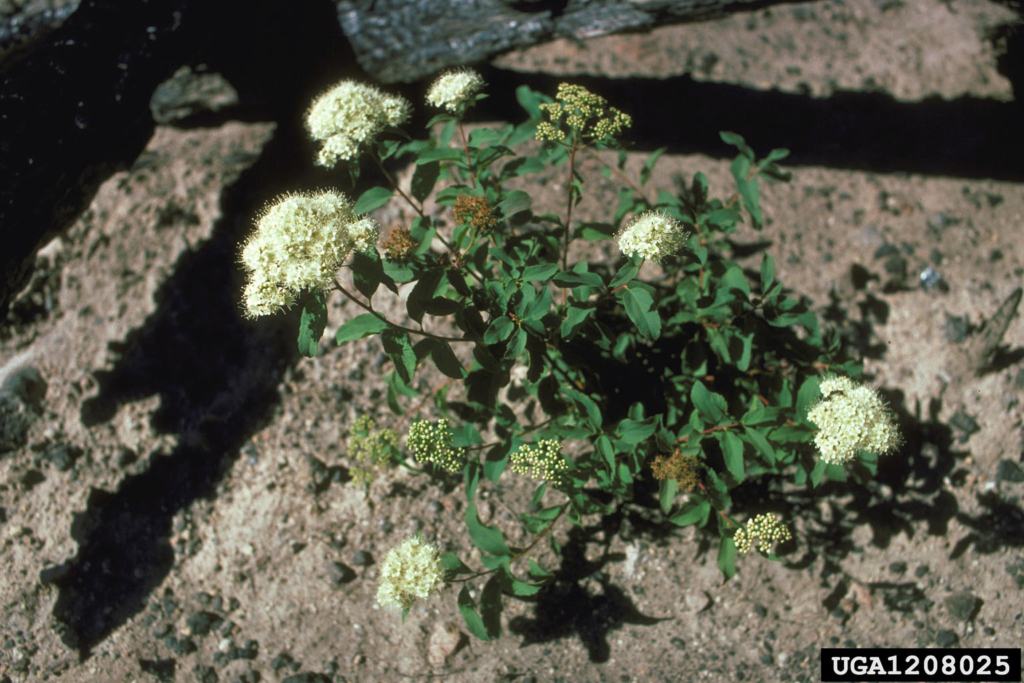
(765, 527)
(851, 417)
(299, 244)
(653, 235)
(541, 461)
(350, 115)
(432, 442)
(455, 90)
(410, 571)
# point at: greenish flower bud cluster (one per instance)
(455, 90)
(410, 571)
(371, 447)
(299, 244)
(349, 116)
(432, 443)
(851, 417)
(541, 461)
(764, 527)
(653, 235)
(583, 112)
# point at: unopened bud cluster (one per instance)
(432, 443)
(410, 571)
(371, 448)
(764, 527)
(851, 417)
(653, 235)
(542, 460)
(350, 115)
(455, 90)
(583, 112)
(299, 244)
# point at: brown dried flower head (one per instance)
(685, 469)
(399, 245)
(475, 211)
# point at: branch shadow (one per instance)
(571, 606)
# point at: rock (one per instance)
(190, 93)
(22, 390)
(340, 574)
(1009, 471)
(444, 640)
(361, 558)
(962, 606)
(946, 638)
(201, 623)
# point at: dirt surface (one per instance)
(174, 503)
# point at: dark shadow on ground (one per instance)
(964, 137)
(572, 605)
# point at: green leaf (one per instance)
(441, 154)
(368, 273)
(727, 557)
(588, 404)
(818, 471)
(595, 232)
(490, 604)
(471, 475)
(516, 345)
(632, 432)
(530, 100)
(399, 350)
(809, 393)
(488, 539)
(360, 326)
(423, 180)
(711, 406)
(374, 198)
(748, 189)
(638, 304)
(667, 493)
(732, 449)
(445, 360)
(645, 172)
(539, 272)
(626, 274)
(738, 142)
(514, 202)
(452, 565)
(694, 512)
(478, 137)
(761, 444)
(467, 607)
(573, 279)
(499, 330)
(767, 273)
(523, 589)
(312, 323)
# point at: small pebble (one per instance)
(361, 558)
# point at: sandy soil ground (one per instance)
(173, 496)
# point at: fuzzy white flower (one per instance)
(455, 90)
(851, 417)
(350, 115)
(653, 235)
(299, 244)
(410, 571)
